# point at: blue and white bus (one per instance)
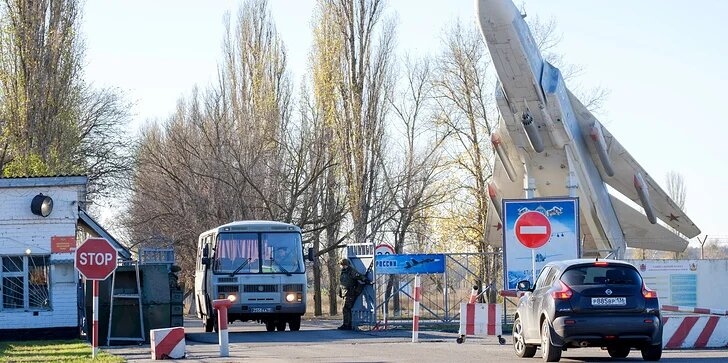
(259, 266)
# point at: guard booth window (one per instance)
(25, 282)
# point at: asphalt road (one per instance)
(319, 341)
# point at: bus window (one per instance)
(282, 252)
(237, 252)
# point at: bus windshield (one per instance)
(278, 252)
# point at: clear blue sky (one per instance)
(663, 61)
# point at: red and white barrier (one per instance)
(510, 293)
(690, 309)
(480, 319)
(416, 309)
(680, 332)
(167, 343)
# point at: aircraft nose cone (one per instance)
(495, 11)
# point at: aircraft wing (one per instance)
(639, 234)
(625, 167)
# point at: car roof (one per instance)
(564, 264)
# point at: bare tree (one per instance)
(463, 93)
(417, 163)
(677, 191)
(351, 65)
(52, 122)
(231, 152)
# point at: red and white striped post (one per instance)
(222, 306)
(416, 309)
(95, 328)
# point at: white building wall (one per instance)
(694, 283)
(21, 230)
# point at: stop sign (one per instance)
(533, 229)
(96, 259)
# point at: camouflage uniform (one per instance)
(348, 281)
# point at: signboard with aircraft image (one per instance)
(409, 264)
(537, 231)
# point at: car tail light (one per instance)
(564, 293)
(601, 263)
(647, 293)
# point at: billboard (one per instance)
(540, 229)
(410, 264)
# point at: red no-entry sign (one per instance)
(96, 259)
(533, 229)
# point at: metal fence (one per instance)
(390, 299)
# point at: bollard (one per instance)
(222, 306)
(416, 309)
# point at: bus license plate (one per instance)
(261, 310)
(609, 301)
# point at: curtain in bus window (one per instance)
(237, 249)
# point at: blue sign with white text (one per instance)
(410, 264)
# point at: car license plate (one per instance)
(261, 310)
(609, 301)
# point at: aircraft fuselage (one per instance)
(539, 123)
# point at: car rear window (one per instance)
(598, 275)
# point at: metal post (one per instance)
(533, 265)
(416, 309)
(222, 305)
(702, 246)
(447, 295)
(529, 185)
(95, 328)
(571, 184)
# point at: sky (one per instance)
(662, 61)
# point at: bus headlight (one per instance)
(232, 297)
(290, 297)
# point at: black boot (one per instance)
(344, 327)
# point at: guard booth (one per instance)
(141, 295)
(361, 256)
(42, 220)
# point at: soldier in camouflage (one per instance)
(349, 289)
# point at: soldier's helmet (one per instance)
(345, 262)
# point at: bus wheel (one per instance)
(209, 324)
(295, 323)
(270, 325)
(280, 325)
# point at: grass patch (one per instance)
(52, 351)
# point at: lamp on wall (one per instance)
(42, 205)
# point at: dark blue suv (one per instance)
(587, 303)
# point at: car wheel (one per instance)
(618, 352)
(522, 349)
(652, 352)
(295, 323)
(550, 352)
(270, 326)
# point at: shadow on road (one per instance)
(314, 336)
